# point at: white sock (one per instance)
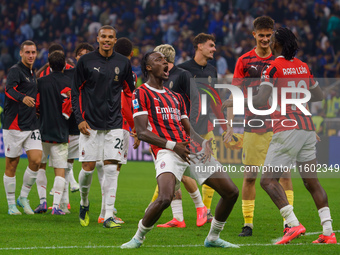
(141, 232)
(58, 187)
(215, 230)
(197, 198)
(9, 183)
(102, 210)
(70, 179)
(177, 209)
(100, 171)
(101, 176)
(28, 181)
(326, 220)
(85, 180)
(65, 199)
(288, 214)
(110, 188)
(41, 185)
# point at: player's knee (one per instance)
(265, 182)
(164, 201)
(34, 163)
(250, 181)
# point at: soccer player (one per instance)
(21, 128)
(179, 82)
(46, 70)
(294, 136)
(247, 74)
(161, 120)
(54, 129)
(199, 67)
(96, 101)
(122, 46)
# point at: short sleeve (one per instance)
(238, 77)
(312, 82)
(269, 76)
(183, 109)
(139, 103)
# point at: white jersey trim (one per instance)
(314, 86)
(139, 113)
(267, 83)
(153, 89)
(184, 117)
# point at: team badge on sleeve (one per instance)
(135, 104)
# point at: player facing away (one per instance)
(21, 128)
(122, 46)
(54, 130)
(247, 74)
(160, 119)
(99, 78)
(294, 141)
(199, 67)
(179, 82)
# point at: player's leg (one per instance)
(41, 182)
(228, 191)
(248, 199)
(73, 153)
(100, 172)
(58, 187)
(166, 183)
(320, 198)
(208, 192)
(90, 148)
(287, 185)
(177, 212)
(201, 210)
(74, 186)
(10, 184)
(33, 148)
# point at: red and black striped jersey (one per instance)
(247, 73)
(282, 73)
(47, 71)
(165, 110)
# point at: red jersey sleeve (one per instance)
(312, 82)
(183, 109)
(238, 73)
(269, 76)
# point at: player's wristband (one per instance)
(170, 145)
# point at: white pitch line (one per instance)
(152, 246)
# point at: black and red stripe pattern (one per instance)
(165, 109)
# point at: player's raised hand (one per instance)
(84, 128)
(182, 151)
(206, 146)
(228, 134)
(29, 101)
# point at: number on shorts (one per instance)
(119, 145)
(35, 136)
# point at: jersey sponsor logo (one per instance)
(255, 67)
(169, 113)
(97, 69)
(135, 103)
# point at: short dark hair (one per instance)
(27, 42)
(55, 47)
(145, 62)
(286, 38)
(123, 46)
(107, 27)
(83, 46)
(202, 38)
(263, 22)
(57, 61)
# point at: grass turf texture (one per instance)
(135, 188)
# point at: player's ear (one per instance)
(254, 33)
(148, 68)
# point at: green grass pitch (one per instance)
(48, 234)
